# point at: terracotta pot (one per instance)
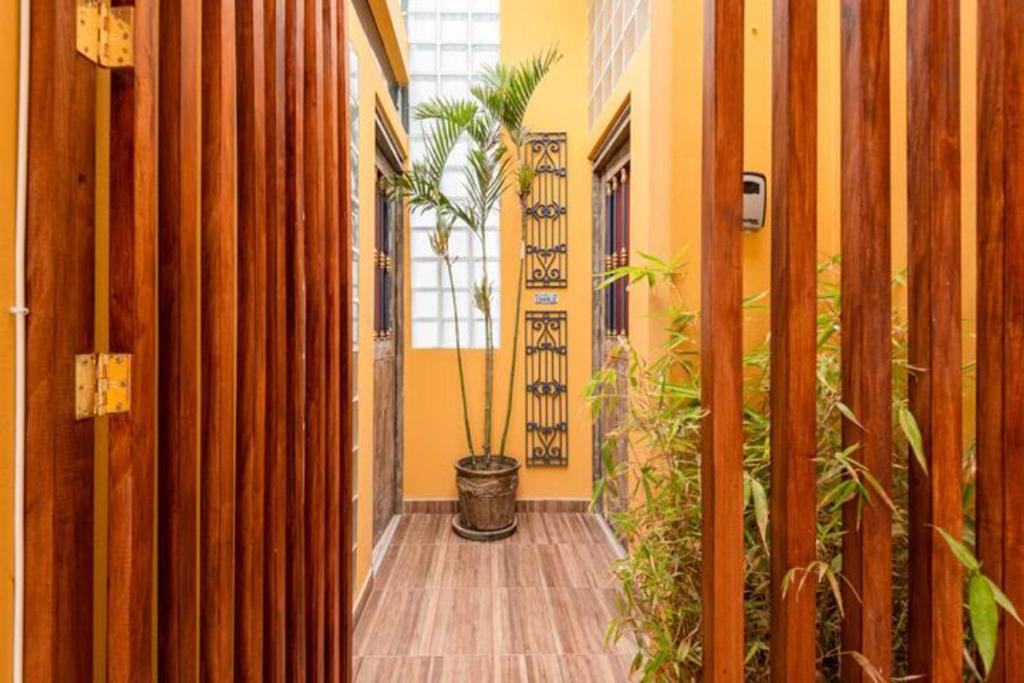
(487, 496)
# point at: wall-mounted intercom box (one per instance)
(755, 200)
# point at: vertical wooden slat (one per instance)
(316, 318)
(133, 329)
(793, 337)
(337, 351)
(1001, 315)
(277, 348)
(296, 285)
(866, 328)
(721, 332)
(179, 354)
(219, 341)
(345, 341)
(60, 273)
(252, 340)
(936, 588)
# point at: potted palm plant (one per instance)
(491, 121)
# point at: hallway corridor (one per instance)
(534, 607)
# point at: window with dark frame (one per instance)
(383, 264)
(617, 251)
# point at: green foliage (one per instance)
(491, 118)
(658, 400)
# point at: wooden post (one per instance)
(295, 208)
(60, 282)
(338, 245)
(1001, 315)
(219, 341)
(252, 340)
(936, 578)
(721, 341)
(133, 329)
(866, 327)
(316, 335)
(348, 419)
(278, 404)
(179, 349)
(793, 338)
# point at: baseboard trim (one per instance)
(450, 506)
(361, 599)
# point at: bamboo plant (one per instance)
(491, 120)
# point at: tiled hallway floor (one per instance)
(534, 607)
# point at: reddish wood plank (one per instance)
(252, 341)
(866, 325)
(60, 288)
(179, 352)
(133, 329)
(1001, 314)
(336, 189)
(219, 341)
(345, 568)
(277, 348)
(296, 284)
(793, 337)
(316, 334)
(936, 578)
(721, 338)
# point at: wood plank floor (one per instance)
(534, 607)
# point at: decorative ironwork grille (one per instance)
(547, 398)
(547, 248)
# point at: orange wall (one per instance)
(434, 437)
(373, 96)
(665, 96)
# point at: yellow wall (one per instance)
(434, 437)
(8, 157)
(664, 93)
(373, 97)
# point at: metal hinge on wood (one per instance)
(105, 34)
(103, 384)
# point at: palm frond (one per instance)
(505, 90)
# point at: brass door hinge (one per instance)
(105, 34)
(103, 384)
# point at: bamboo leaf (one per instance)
(908, 423)
(1003, 600)
(984, 617)
(962, 552)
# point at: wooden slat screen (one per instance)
(229, 284)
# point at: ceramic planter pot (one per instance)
(487, 497)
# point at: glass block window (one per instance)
(449, 41)
(616, 28)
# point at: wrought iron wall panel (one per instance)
(547, 246)
(547, 398)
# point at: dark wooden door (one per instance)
(611, 329)
(386, 354)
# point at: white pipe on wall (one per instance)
(20, 311)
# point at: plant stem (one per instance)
(515, 322)
(489, 345)
(458, 355)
